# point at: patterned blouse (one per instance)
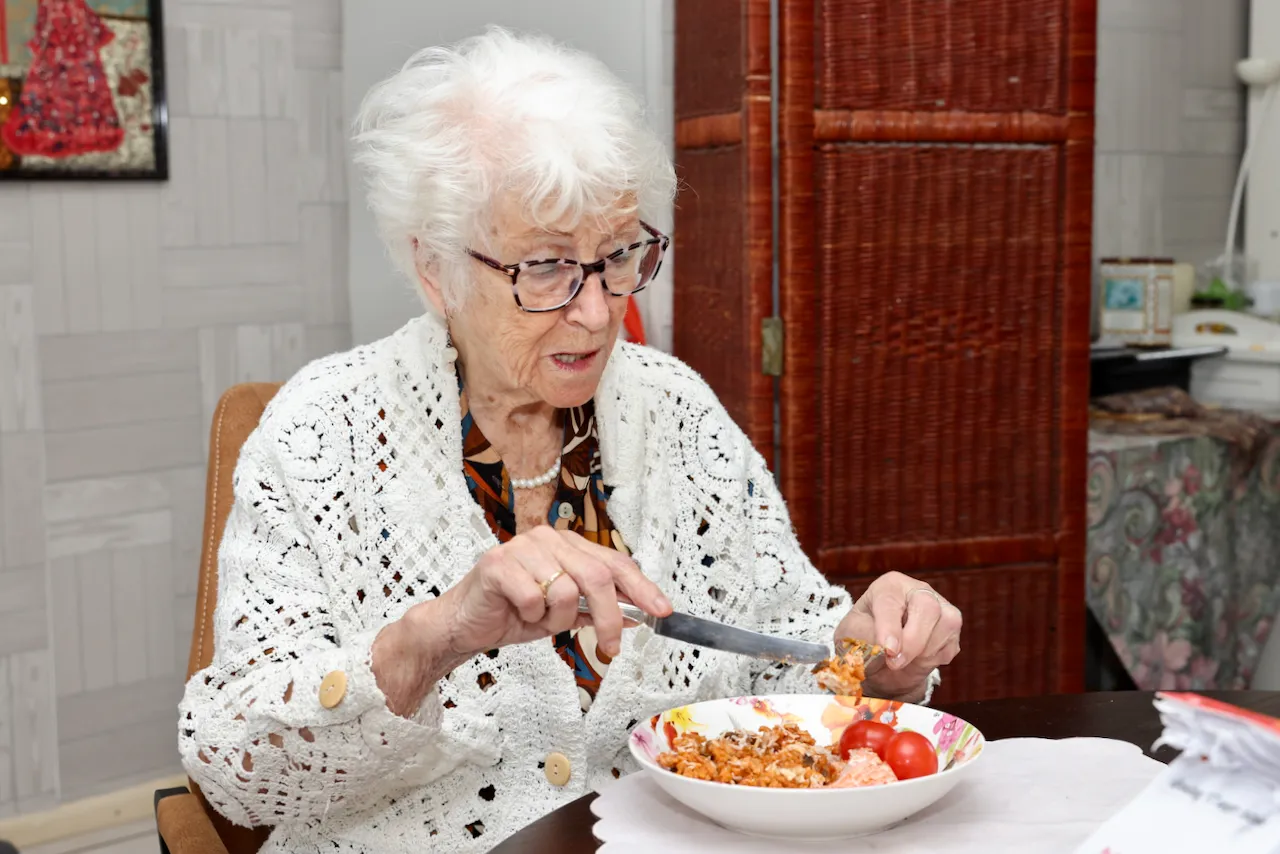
(580, 505)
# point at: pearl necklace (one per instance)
(451, 355)
(541, 480)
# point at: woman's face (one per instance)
(555, 357)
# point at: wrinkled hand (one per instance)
(918, 629)
(506, 598)
(523, 590)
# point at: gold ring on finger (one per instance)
(934, 593)
(545, 584)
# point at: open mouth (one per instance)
(574, 361)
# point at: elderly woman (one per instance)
(399, 662)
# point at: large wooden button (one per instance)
(333, 688)
(557, 769)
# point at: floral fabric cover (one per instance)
(1183, 566)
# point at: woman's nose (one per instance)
(591, 309)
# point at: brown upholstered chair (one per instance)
(185, 821)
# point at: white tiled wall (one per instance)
(660, 39)
(1262, 206)
(125, 311)
(1170, 125)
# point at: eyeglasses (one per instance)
(550, 284)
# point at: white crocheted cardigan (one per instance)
(350, 506)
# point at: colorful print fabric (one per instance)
(580, 505)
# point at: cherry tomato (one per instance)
(911, 755)
(871, 735)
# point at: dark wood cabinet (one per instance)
(903, 190)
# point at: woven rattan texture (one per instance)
(711, 316)
(710, 65)
(940, 336)
(981, 55)
(1008, 651)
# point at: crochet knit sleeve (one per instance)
(742, 522)
(792, 598)
(254, 733)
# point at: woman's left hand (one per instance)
(918, 629)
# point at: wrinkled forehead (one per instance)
(513, 226)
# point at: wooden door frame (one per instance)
(798, 389)
(749, 126)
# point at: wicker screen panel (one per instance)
(711, 318)
(1010, 638)
(965, 55)
(710, 64)
(938, 271)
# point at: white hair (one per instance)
(457, 127)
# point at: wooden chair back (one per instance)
(236, 416)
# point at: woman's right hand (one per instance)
(501, 600)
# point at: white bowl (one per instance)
(808, 813)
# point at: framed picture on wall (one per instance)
(82, 90)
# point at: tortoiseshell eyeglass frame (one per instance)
(513, 271)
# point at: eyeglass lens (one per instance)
(553, 283)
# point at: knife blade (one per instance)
(699, 631)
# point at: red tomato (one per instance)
(910, 755)
(871, 735)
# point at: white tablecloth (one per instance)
(1025, 795)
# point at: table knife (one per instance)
(699, 631)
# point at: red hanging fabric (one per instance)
(4, 33)
(633, 323)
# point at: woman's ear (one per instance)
(429, 278)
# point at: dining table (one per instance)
(1123, 715)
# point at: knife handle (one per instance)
(630, 612)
